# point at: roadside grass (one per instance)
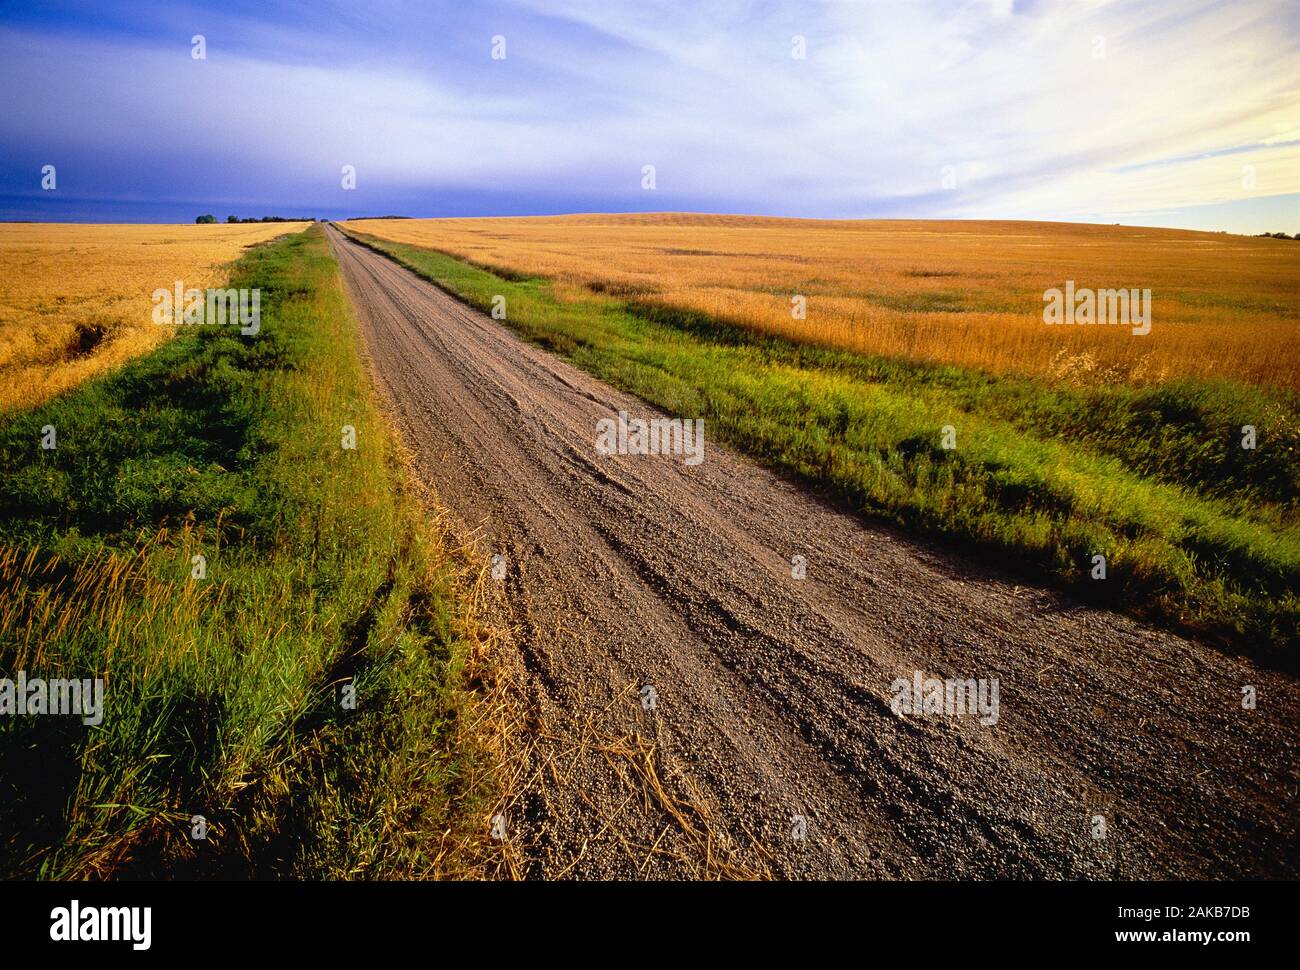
(1198, 533)
(224, 695)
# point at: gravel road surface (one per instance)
(767, 743)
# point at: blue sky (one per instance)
(1175, 113)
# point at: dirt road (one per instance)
(772, 694)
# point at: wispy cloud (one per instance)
(971, 108)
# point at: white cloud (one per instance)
(1009, 96)
(1035, 105)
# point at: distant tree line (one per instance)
(204, 219)
(1278, 235)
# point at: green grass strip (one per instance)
(224, 694)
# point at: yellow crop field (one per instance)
(959, 292)
(76, 300)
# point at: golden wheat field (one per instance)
(958, 292)
(75, 300)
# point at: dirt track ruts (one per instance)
(773, 694)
